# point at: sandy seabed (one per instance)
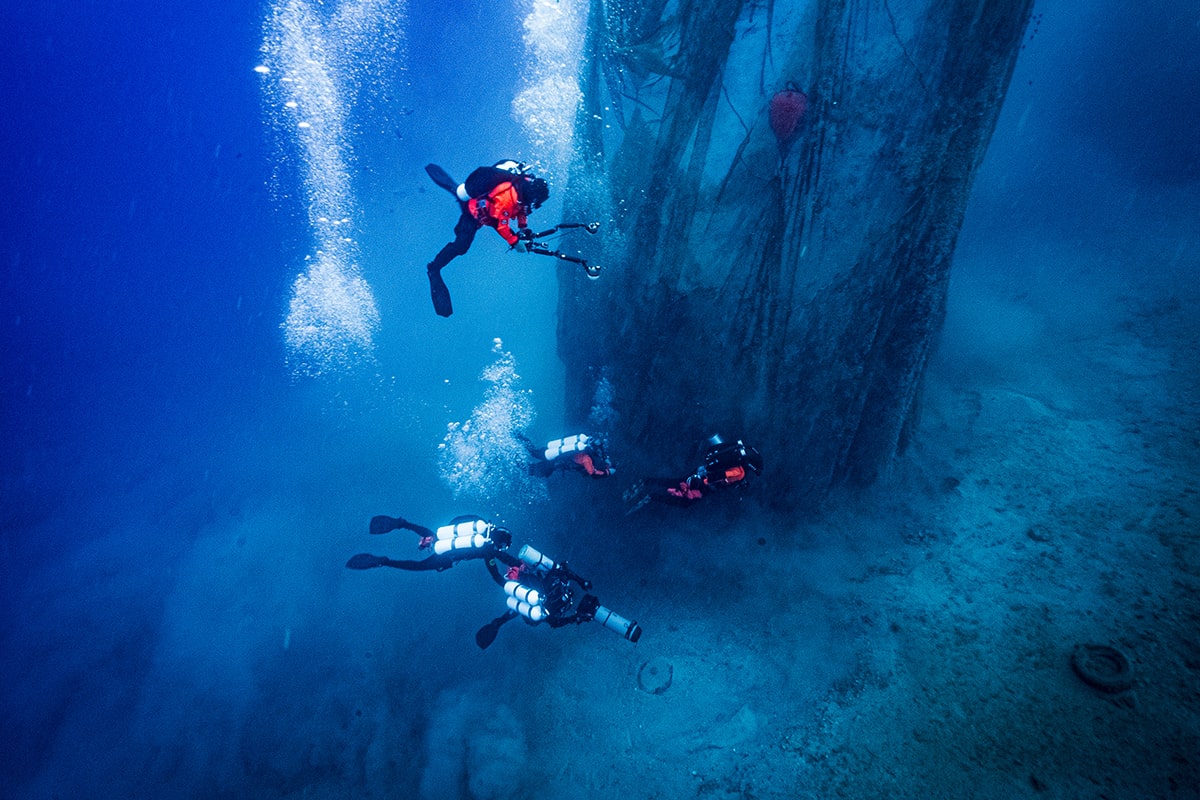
(917, 642)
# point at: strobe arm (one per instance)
(590, 227)
(592, 270)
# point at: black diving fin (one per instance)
(439, 293)
(487, 634)
(366, 561)
(442, 178)
(385, 525)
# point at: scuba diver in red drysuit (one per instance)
(496, 196)
(724, 464)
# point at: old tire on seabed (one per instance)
(654, 676)
(1102, 667)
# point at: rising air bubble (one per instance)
(323, 54)
(483, 458)
(550, 94)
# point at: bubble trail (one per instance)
(483, 458)
(315, 61)
(550, 95)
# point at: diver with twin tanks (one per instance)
(537, 589)
(582, 453)
(540, 590)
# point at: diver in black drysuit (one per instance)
(557, 598)
(531, 572)
(723, 464)
(493, 550)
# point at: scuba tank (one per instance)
(468, 528)
(618, 624)
(535, 559)
(525, 600)
(464, 194)
(526, 594)
(534, 614)
(555, 596)
(568, 444)
(723, 455)
(469, 542)
(467, 535)
(513, 166)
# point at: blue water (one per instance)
(182, 483)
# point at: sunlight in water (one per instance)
(482, 458)
(550, 93)
(317, 59)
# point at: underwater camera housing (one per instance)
(556, 595)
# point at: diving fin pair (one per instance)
(437, 286)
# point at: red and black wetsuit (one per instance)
(495, 201)
(725, 465)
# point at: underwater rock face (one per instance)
(786, 292)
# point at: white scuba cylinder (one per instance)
(526, 594)
(468, 528)
(535, 559)
(472, 542)
(568, 444)
(530, 612)
(618, 624)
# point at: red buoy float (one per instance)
(787, 111)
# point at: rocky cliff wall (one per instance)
(788, 291)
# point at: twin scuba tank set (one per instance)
(568, 444)
(555, 596)
(469, 535)
(534, 604)
(579, 443)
